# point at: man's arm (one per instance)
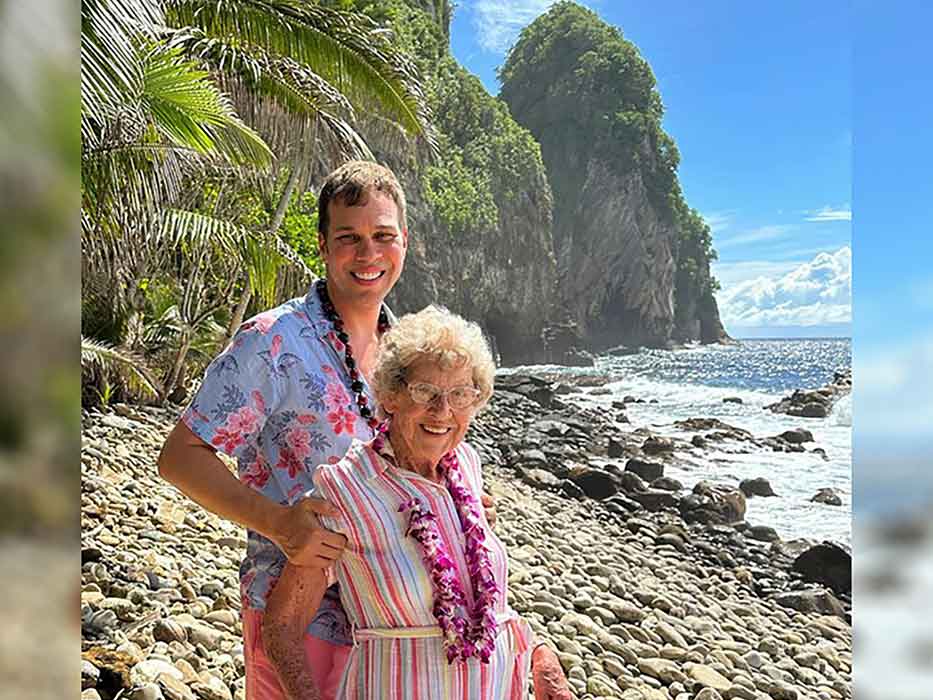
(190, 464)
(289, 610)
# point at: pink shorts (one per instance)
(326, 661)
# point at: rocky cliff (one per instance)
(479, 214)
(633, 258)
(549, 228)
(480, 221)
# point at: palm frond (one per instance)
(345, 49)
(129, 366)
(191, 112)
(109, 67)
(198, 229)
(294, 108)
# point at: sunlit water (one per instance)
(692, 383)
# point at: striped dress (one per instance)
(384, 584)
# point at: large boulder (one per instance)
(534, 388)
(649, 471)
(713, 504)
(657, 445)
(814, 600)
(595, 483)
(759, 486)
(827, 496)
(827, 563)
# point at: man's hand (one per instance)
(304, 540)
(547, 675)
(489, 508)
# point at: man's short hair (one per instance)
(351, 183)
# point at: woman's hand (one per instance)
(547, 675)
(489, 508)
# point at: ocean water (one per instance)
(692, 383)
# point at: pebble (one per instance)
(640, 605)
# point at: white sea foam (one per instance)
(842, 412)
(758, 374)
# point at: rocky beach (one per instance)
(650, 588)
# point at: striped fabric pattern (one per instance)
(384, 584)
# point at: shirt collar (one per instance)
(318, 319)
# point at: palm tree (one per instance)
(162, 85)
(301, 74)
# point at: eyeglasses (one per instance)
(459, 397)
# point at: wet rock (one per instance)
(797, 436)
(657, 445)
(758, 486)
(630, 481)
(827, 496)
(827, 563)
(654, 500)
(713, 504)
(666, 483)
(616, 449)
(763, 533)
(595, 483)
(571, 490)
(732, 399)
(649, 471)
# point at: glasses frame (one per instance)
(442, 393)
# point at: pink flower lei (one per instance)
(475, 633)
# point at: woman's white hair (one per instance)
(437, 334)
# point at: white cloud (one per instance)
(756, 235)
(830, 214)
(498, 22)
(812, 293)
(718, 221)
(731, 274)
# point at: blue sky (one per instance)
(758, 97)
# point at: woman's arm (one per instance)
(547, 676)
(290, 607)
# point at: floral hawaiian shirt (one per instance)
(278, 400)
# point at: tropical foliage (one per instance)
(569, 62)
(203, 124)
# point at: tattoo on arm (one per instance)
(289, 610)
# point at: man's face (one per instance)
(364, 250)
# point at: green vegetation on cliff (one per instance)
(601, 91)
(589, 96)
(486, 159)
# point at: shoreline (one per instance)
(641, 604)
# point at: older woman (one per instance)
(423, 578)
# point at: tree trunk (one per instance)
(279, 216)
(274, 224)
(238, 313)
(177, 367)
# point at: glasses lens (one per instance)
(423, 393)
(461, 396)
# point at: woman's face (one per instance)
(426, 432)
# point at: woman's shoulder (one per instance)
(466, 451)
(357, 464)
(470, 462)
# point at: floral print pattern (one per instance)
(278, 400)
